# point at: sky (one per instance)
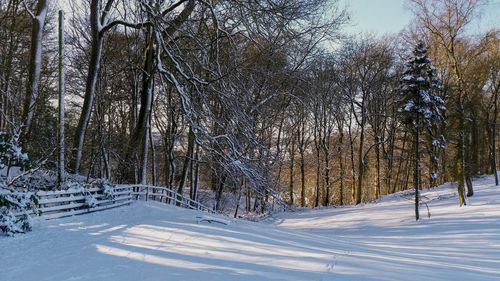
(391, 16)
(376, 16)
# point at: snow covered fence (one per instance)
(167, 196)
(62, 203)
(79, 200)
(18, 206)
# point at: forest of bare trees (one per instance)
(260, 102)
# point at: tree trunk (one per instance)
(353, 166)
(218, 193)
(240, 191)
(144, 155)
(90, 85)
(170, 138)
(361, 165)
(34, 68)
(318, 176)
(302, 179)
(195, 173)
(61, 92)
(396, 181)
(417, 166)
(389, 157)
(377, 167)
(494, 150)
(187, 161)
(341, 166)
(138, 138)
(461, 178)
(292, 163)
(327, 180)
(468, 172)
(248, 199)
(154, 177)
(325, 142)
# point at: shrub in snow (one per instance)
(10, 224)
(90, 201)
(72, 186)
(11, 154)
(83, 188)
(107, 189)
(36, 180)
(15, 202)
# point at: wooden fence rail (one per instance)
(167, 196)
(63, 203)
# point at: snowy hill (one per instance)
(378, 241)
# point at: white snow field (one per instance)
(377, 241)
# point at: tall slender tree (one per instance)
(35, 66)
(422, 105)
(445, 22)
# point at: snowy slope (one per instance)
(380, 241)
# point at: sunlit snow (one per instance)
(377, 241)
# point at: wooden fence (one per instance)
(63, 203)
(167, 196)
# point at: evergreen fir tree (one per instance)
(422, 106)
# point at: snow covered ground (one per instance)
(378, 241)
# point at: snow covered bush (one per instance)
(11, 154)
(90, 201)
(72, 186)
(12, 202)
(10, 224)
(107, 189)
(35, 180)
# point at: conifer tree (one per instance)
(422, 106)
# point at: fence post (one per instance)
(174, 197)
(147, 192)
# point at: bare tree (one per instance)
(99, 24)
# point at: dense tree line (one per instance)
(264, 100)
